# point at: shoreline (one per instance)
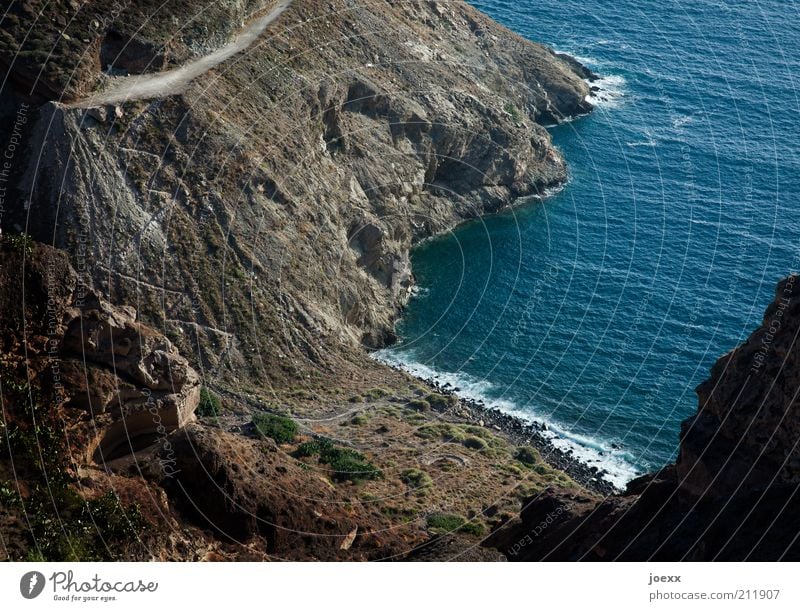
(519, 431)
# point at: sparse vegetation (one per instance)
(512, 110)
(416, 479)
(345, 464)
(420, 405)
(19, 242)
(441, 402)
(527, 456)
(377, 393)
(359, 420)
(279, 428)
(444, 523)
(210, 405)
(474, 443)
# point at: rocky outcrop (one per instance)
(248, 491)
(264, 217)
(731, 495)
(117, 383)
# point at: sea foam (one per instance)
(593, 452)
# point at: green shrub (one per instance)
(420, 405)
(445, 523)
(441, 402)
(345, 464)
(474, 443)
(442, 523)
(377, 393)
(527, 455)
(279, 428)
(359, 420)
(210, 405)
(477, 529)
(19, 242)
(416, 479)
(512, 110)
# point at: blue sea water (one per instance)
(600, 309)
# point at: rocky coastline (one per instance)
(224, 257)
(523, 432)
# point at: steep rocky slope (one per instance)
(103, 457)
(732, 493)
(263, 218)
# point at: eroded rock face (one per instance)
(119, 382)
(731, 494)
(273, 216)
(247, 491)
(746, 433)
(127, 375)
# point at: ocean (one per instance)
(598, 310)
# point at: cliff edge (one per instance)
(731, 494)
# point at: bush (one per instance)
(474, 528)
(210, 405)
(445, 523)
(420, 405)
(416, 479)
(442, 523)
(441, 402)
(527, 455)
(345, 464)
(279, 428)
(512, 110)
(19, 242)
(474, 443)
(377, 393)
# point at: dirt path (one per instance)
(146, 86)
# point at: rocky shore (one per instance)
(523, 432)
(240, 243)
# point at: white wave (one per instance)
(650, 142)
(682, 120)
(593, 452)
(607, 91)
(584, 59)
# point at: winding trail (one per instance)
(170, 82)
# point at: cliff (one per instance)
(731, 495)
(270, 207)
(236, 242)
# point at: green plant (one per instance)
(477, 529)
(416, 479)
(441, 402)
(377, 393)
(512, 110)
(279, 428)
(420, 405)
(19, 242)
(474, 443)
(443, 523)
(345, 464)
(210, 405)
(527, 455)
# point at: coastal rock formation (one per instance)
(264, 216)
(117, 382)
(246, 491)
(261, 220)
(731, 495)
